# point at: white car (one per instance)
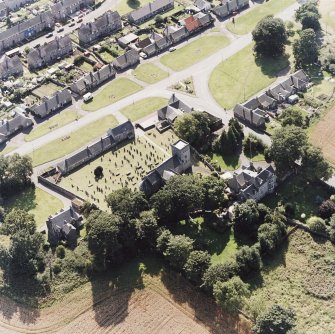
(172, 49)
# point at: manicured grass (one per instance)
(241, 76)
(327, 10)
(143, 108)
(163, 140)
(37, 202)
(256, 157)
(87, 67)
(106, 56)
(127, 6)
(149, 73)
(296, 276)
(305, 196)
(194, 52)
(115, 91)
(7, 149)
(77, 139)
(57, 121)
(125, 166)
(247, 22)
(227, 162)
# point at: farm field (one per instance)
(241, 76)
(149, 73)
(194, 52)
(140, 297)
(247, 21)
(37, 202)
(143, 108)
(301, 276)
(113, 92)
(124, 166)
(327, 10)
(75, 140)
(323, 135)
(55, 122)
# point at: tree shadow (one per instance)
(273, 67)
(133, 4)
(203, 306)
(113, 290)
(25, 200)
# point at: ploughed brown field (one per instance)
(160, 305)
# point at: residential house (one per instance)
(251, 183)
(115, 136)
(63, 9)
(266, 102)
(254, 117)
(128, 39)
(176, 33)
(281, 91)
(196, 22)
(228, 7)
(179, 163)
(16, 4)
(13, 125)
(130, 58)
(52, 104)
(26, 30)
(105, 25)
(3, 10)
(150, 10)
(92, 80)
(63, 226)
(49, 53)
(300, 80)
(202, 5)
(10, 67)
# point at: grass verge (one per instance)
(149, 73)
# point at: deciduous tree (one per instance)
(196, 265)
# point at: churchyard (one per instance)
(123, 167)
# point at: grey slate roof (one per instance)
(128, 59)
(10, 65)
(254, 117)
(52, 104)
(174, 108)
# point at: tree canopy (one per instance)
(196, 265)
(19, 220)
(308, 15)
(270, 37)
(305, 48)
(292, 116)
(248, 259)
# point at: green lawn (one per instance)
(227, 162)
(7, 149)
(87, 67)
(149, 73)
(194, 52)
(37, 202)
(247, 22)
(143, 108)
(77, 139)
(55, 122)
(241, 76)
(304, 195)
(115, 91)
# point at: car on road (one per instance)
(60, 29)
(49, 35)
(80, 20)
(172, 49)
(58, 24)
(71, 24)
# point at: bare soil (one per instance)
(165, 304)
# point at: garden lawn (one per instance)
(227, 162)
(115, 91)
(143, 108)
(194, 52)
(241, 76)
(127, 6)
(305, 196)
(77, 139)
(55, 122)
(247, 21)
(37, 202)
(149, 73)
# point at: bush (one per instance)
(289, 209)
(60, 251)
(317, 225)
(57, 268)
(78, 60)
(327, 209)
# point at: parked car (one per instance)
(80, 20)
(60, 29)
(58, 24)
(172, 49)
(71, 24)
(49, 35)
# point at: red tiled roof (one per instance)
(192, 23)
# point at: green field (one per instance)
(115, 91)
(241, 76)
(75, 140)
(37, 202)
(55, 122)
(247, 22)
(194, 52)
(143, 108)
(327, 10)
(149, 73)
(299, 275)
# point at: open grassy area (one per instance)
(126, 6)
(305, 196)
(37, 202)
(247, 22)
(149, 73)
(227, 162)
(113, 92)
(75, 140)
(8, 148)
(125, 166)
(194, 52)
(327, 10)
(299, 275)
(55, 122)
(143, 108)
(241, 76)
